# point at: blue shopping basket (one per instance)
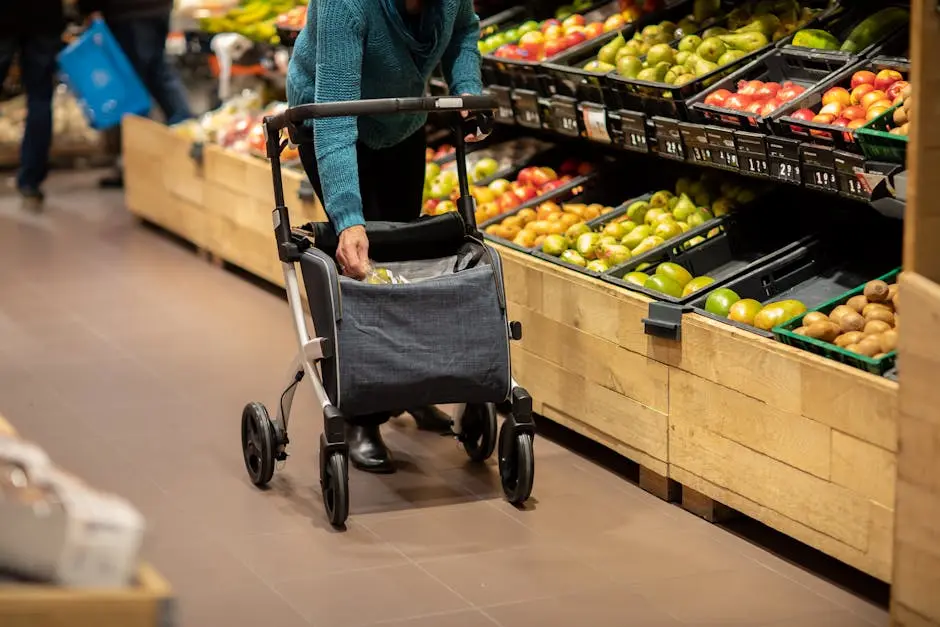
(98, 72)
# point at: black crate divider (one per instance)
(783, 159)
(696, 143)
(594, 122)
(525, 104)
(563, 116)
(819, 170)
(629, 130)
(723, 149)
(848, 166)
(668, 138)
(752, 153)
(504, 109)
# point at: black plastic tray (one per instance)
(843, 19)
(828, 134)
(670, 101)
(806, 68)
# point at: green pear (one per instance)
(689, 43)
(649, 75)
(648, 244)
(653, 215)
(598, 265)
(748, 41)
(577, 230)
(586, 244)
(711, 49)
(704, 67)
(598, 67)
(714, 31)
(636, 212)
(660, 198)
(683, 186)
(682, 58)
(637, 235)
(730, 56)
(660, 53)
(614, 254)
(629, 66)
(766, 24)
(684, 208)
(573, 257)
(722, 206)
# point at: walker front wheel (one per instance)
(479, 429)
(334, 485)
(516, 463)
(258, 444)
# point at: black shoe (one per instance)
(431, 419)
(112, 181)
(32, 197)
(367, 450)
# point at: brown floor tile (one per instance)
(605, 607)
(835, 618)
(518, 574)
(250, 605)
(366, 597)
(739, 597)
(466, 618)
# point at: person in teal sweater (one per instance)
(372, 168)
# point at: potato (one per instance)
(874, 327)
(852, 321)
(870, 346)
(892, 290)
(876, 291)
(894, 301)
(870, 307)
(900, 116)
(857, 302)
(814, 317)
(839, 311)
(881, 314)
(852, 337)
(825, 331)
(888, 341)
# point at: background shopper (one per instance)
(33, 29)
(373, 168)
(141, 28)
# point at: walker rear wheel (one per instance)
(334, 485)
(479, 428)
(516, 463)
(258, 443)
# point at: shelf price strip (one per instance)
(595, 122)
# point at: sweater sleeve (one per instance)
(461, 62)
(340, 38)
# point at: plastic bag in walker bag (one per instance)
(383, 276)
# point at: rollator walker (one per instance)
(441, 338)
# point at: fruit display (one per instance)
(865, 324)
(866, 32)
(69, 126)
(255, 19)
(853, 104)
(747, 29)
(755, 97)
(501, 195)
(640, 44)
(643, 226)
(293, 19)
(537, 41)
(669, 279)
(901, 117)
(436, 154)
(727, 304)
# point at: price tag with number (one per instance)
(503, 98)
(724, 151)
(564, 116)
(848, 166)
(669, 139)
(786, 170)
(696, 142)
(632, 130)
(820, 178)
(752, 153)
(526, 105)
(595, 123)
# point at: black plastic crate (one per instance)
(741, 244)
(802, 67)
(844, 19)
(837, 136)
(812, 273)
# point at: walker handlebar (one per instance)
(376, 106)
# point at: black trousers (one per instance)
(391, 182)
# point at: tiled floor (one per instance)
(129, 360)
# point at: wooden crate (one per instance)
(803, 444)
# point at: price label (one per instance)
(823, 179)
(595, 123)
(564, 116)
(724, 151)
(632, 130)
(819, 169)
(852, 186)
(848, 166)
(786, 170)
(526, 105)
(752, 153)
(754, 164)
(669, 139)
(696, 142)
(503, 96)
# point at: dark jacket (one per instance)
(125, 9)
(31, 17)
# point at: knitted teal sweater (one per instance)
(357, 49)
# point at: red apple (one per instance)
(841, 122)
(553, 47)
(854, 112)
(584, 168)
(554, 32)
(863, 77)
(857, 124)
(833, 108)
(533, 43)
(838, 95)
(823, 118)
(553, 22)
(859, 91)
(768, 90)
(884, 78)
(507, 201)
(524, 177)
(614, 22)
(573, 39)
(573, 20)
(594, 29)
(738, 101)
(525, 193)
(717, 98)
(875, 110)
(803, 114)
(749, 88)
(769, 107)
(872, 97)
(895, 89)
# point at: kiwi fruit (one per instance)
(840, 311)
(881, 314)
(876, 291)
(857, 302)
(874, 327)
(888, 341)
(852, 321)
(825, 331)
(852, 337)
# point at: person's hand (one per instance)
(471, 137)
(353, 252)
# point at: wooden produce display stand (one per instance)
(148, 603)
(719, 419)
(916, 591)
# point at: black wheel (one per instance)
(258, 443)
(516, 464)
(334, 485)
(479, 431)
